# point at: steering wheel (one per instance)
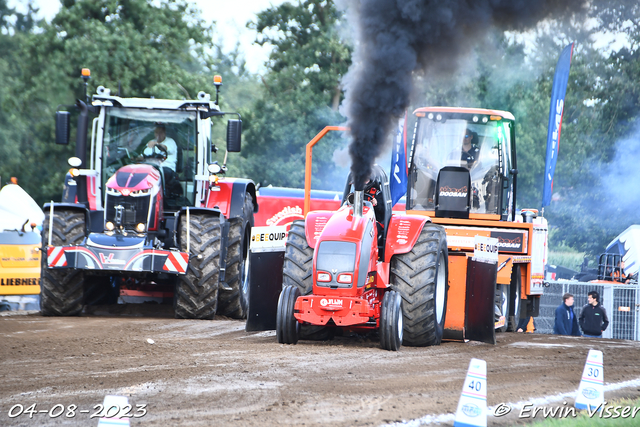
(367, 198)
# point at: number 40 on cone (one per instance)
(472, 407)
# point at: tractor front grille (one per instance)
(334, 258)
(135, 209)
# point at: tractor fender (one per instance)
(230, 194)
(314, 223)
(71, 206)
(210, 211)
(403, 234)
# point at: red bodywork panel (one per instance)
(315, 224)
(358, 305)
(403, 234)
(344, 311)
(129, 177)
(342, 226)
(220, 196)
(285, 210)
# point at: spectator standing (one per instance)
(593, 317)
(566, 321)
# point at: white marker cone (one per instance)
(472, 407)
(591, 391)
(114, 406)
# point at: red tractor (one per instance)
(364, 268)
(146, 209)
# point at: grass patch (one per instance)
(567, 259)
(583, 419)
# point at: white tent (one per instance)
(627, 244)
(17, 207)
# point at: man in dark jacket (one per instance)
(566, 321)
(593, 317)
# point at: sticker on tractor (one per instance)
(331, 302)
(509, 241)
(268, 237)
(288, 213)
(485, 249)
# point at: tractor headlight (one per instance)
(140, 228)
(109, 226)
(345, 278)
(214, 168)
(324, 277)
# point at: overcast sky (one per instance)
(231, 17)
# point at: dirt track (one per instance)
(205, 373)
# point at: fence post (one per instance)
(607, 304)
(636, 324)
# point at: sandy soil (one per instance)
(205, 373)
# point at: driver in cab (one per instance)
(164, 146)
(470, 148)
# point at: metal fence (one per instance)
(622, 303)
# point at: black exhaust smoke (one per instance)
(394, 38)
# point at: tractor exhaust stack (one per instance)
(357, 203)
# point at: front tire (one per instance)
(287, 326)
(62, 291)
(297, 271)
(391, 324)
(421, 278)
(196, 295)
(234, 301)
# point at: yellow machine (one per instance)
(20, 242)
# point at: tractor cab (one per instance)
(130, 137)
(463, 164)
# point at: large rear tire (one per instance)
(196, 295)
(391, 324)
(297, 271)
(234, 301)
(287, 326)
(421, 278)
(62, 291)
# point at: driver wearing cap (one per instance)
(163, 145)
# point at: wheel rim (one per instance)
(244, 279)
(516, 304)
(440, 289)
(400, 325)
(505, 300)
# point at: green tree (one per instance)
(145, 49)
(300, 93)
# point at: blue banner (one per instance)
(555, 121)
(398, 176)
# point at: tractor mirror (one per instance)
(62, 127)
(234, 135)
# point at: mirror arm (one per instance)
(207, 114)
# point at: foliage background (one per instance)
(164, 49)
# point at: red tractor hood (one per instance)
(131, 178)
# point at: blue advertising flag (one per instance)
(555, 120)
(398, 185)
